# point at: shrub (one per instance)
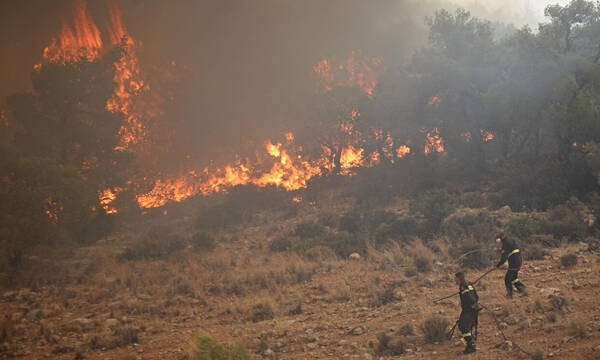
(327, 219)
(422, 264)
(537, 355)
(535, 252)
(389, 346)
(469, 224)
(281, 244)
(557, 302)
(203, 241)
(156, 244)
(577, 329)
(384, 297)
(207, 348)
(434, 329)
(400, 229)
(410, 272)
(41, 203)
(568, 260)
(297, 310)
(219, 217)
(552, 316)
(435, 205)
(344, 244)
(472, 256)
(568, 220)
(376, 218)
(522, 228)
(125, 336)
(239, 352)
(350, 222)
(320, 253)
(309, 229)
(406, 330)
(261, 312)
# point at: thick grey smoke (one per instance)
(248, 63)
(516, 12)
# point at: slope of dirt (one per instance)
(325, 308)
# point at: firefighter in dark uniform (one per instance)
(511, 252)
(469, 313)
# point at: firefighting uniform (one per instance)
(468, 316)
(511, 252)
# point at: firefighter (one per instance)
(511, 252)
(469, 311)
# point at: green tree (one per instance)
(42, 203)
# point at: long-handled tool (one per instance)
(474, 283)
(451, 332)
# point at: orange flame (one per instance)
(82, 42)
(107, 197)
(402, 151)
(467, 136)
(350, 158)
(487, 135)
(357, 71)
(434, 142)
(435, 101)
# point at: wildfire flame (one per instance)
(434, 142)
(80, 42)
(279, 164)
(487, 135)
(356, 71)
(107, 197)
(435, 101)
(402, 151)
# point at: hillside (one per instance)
(106, 301)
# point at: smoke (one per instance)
(246, 65)
(516, 12)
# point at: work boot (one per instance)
(509, 293)
(521, 288)
(470, 347)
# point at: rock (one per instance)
(80, 324)
(311, 346)
(399, 294)
(111, 323)
(549, 291)
(524, 324)
(354, 256)
(359, 330)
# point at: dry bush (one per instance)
(552, 316)
(410, 272)
(535, 252)
(557, 302)
(422, 264)
(158, 243)
(568, 260)
(261, 312)
(389, 346)
(320, 254)
(380, 298)
(203, 241)
(434, 329)
(577, 329)
(406, 330)
(537, 355)
(297, 310)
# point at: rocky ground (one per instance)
(337, 310)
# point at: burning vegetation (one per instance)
(410, 160)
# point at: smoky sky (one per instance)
(248, 64)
